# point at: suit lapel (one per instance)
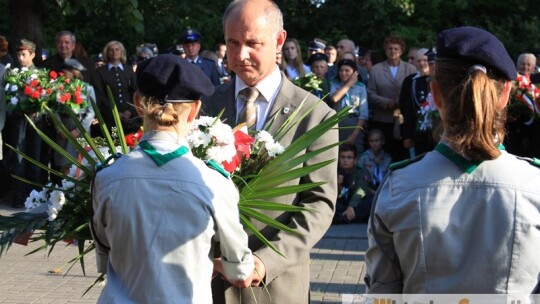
(284, 105)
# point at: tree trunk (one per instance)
(27, 23)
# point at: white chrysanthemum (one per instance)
(14, 100)
(6, 88)
(265, 137)
(52, 211)
(205, 121)
(58, 197)
(8, 66)
(14, 88)
(221, 134)
(196, 138)
(34, 76)
(219, 154)
(24, 69)
(67, 184)
(274, 149)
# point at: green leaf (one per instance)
(249, 226)
(265, 219)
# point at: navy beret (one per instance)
(169, 78)
(477, 46)
(317, 57)
(190, 35)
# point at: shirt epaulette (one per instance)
(213, 165)
(405, 163)
(533, 161)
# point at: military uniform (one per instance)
(443, 224)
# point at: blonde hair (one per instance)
(473, 121)
(157, 114)
(110, 44)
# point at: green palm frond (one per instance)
(257, 191)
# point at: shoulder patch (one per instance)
(213, 165)
(405, 163)
(533, 161)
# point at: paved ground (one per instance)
(337, 268)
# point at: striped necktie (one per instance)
(249, 114)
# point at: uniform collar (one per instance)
(466, 165)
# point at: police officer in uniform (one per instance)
(191, 40)
(464, 218)
(157, 209)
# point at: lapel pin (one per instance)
(286, 110)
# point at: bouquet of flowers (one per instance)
(524, 99)
(29, 90)
(427, 114)
(310, 82)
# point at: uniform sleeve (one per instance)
(97, 227)
(90, 113)
(236, 256)
(364, 108)
(383, 274)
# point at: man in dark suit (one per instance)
(254, 34)
(192, 46)
(65, 45)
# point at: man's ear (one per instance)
(436, 93)
(505, 95)
(280, 40)
(137, 99)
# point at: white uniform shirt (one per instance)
(159, 223)
(436, 229)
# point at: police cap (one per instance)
(190, 35)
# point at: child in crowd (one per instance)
(375, 160)
(354, 198)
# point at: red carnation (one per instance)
(53, 75)
(28, 90)
(67, 80)
(35, 95)
(34, 83)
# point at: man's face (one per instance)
(251, 44)
(192, 49)
(319, 68)
(25, 58)
(332, 55)
(344, 46)
(221, 51)
(65, 46)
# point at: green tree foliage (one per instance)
(367, 22)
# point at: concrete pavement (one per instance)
(337, 267)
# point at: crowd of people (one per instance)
(389, 120)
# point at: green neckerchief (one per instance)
(468, 166)
(162, 159)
